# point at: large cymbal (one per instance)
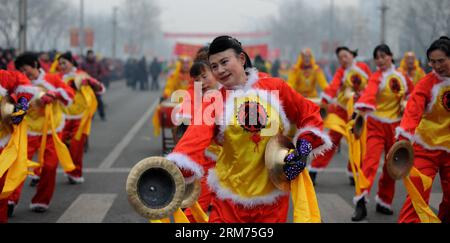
(276, 151)
(6, 109)
(191, 194)
(358, 127)
(155, 188)
(400, 160)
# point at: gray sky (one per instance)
(207, 15)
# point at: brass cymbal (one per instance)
(6, 109)
(276, 151)
(400, 160)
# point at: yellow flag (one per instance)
(86, 121)
(17, 152)
(306, 207)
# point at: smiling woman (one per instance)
(253, 103)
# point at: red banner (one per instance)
(186, 49)
(253, 51)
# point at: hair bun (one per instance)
(444, 38)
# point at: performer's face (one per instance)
(345, 59)
(410, 61)
(65, 66)
(207, 79)
(30, 72)
(383, 61)
(307, 57)
(228, 68)
(440, 63)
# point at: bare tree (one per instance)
(140, 22)
(420, 22)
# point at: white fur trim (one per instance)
(3, 91)
(78, 180)
(65, 96)
(38, 205)
(400, 131)
(264, 96)
(189, 180)
(418, 140)
(59, 129)
(184, 162)
(4, 141)
(384, 120)
(327, 98)
(223, 193)
(210, 155)
(27, 90)
(11, 203)
(356, 68)
(393, 71)
(319, 151)
(74, 117)
(380, 202)
(365, 195)
(364, 105)
(436, 90)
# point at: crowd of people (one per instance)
(54, 97)
(398, 104)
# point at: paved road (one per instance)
(126, 138)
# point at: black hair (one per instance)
(223, 43)
(384, 49)
(344, 48)
(68, 56)
(202, 54)
(90, 52)
(198, 68)
(28, 58)
(443, 44)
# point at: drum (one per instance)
(165, 114)
(156, 189)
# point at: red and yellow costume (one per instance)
(45, 125)
(426, 123)
(13, 143)
(305, 77)
(352, 80)
(417, 73)
(178, 80)
(383, 98)
(240, 181)
(78, 119)
(211, 155)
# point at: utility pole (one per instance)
(384, 8)
(82, 36)
(22, 26)
(331, 38)
(114, 43)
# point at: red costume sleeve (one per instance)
(368, 98)
(417, 104)
(306, 116)
(64, 90)
(330, 93)
(13, 82)
(189, 153)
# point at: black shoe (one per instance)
(38, 209)
(384, 210)
(34, 182)
(352, 181)
(313, 176)
(10, 210)
(360, 211)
